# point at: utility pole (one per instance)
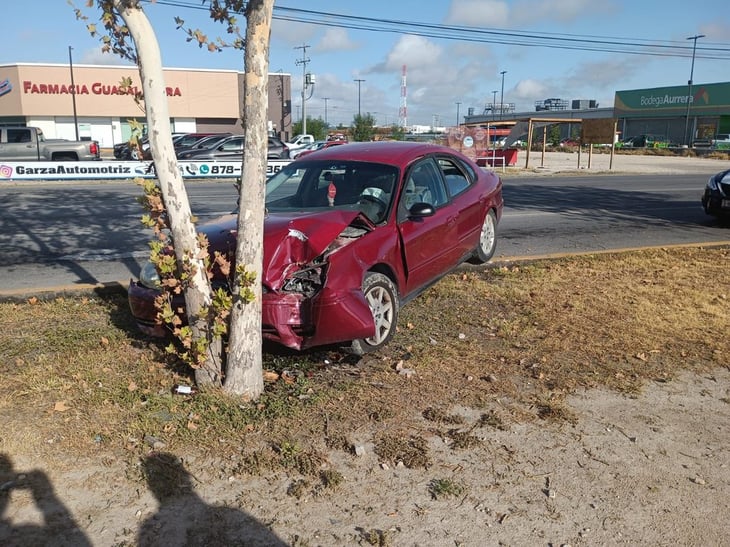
(325, 111)
(458, 104)
(494, 103)
(687, 139)
(501, 98)
(73, 92)
(359, 81)
(303, 61)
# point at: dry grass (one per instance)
(507, 343)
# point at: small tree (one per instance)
(554, 135)
(363, 127)
(397, 133)
(315, 127)
(243, 373)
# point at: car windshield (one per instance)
(345, 185)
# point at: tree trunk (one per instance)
(198, 293)
(244, 372)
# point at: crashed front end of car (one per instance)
(308, 300)
(301, 305)
(716, 198)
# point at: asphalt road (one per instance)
(59, 235)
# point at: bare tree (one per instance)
(243, 371)
(245, 331)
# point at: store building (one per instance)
(674, 113)
(670, 112)
(200, 100)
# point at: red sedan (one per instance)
(351, 234)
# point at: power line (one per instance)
(578, 42)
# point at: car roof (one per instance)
(390, 152)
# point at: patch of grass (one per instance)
(445, 488)
(331, 478)
(440, 416)
(78, 379)
(461, 440)
(411, 450)
(381, 538)
(491, 419)
(555, 410)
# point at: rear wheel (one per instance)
(382, 298)
(487, 240)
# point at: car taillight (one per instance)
(94, 148)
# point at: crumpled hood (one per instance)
(290, 240)
(298, 240)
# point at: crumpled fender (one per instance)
(294, 242)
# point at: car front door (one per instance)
(430, 243)
(19, 145)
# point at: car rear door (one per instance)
(430, 243)
(468, 207)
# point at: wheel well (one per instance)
(387, 272)
(61, 156)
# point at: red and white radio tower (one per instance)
(403, 111)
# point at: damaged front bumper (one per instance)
(290, 319)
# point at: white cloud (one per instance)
(414, 51)
(293, 33)
(503, 14)
(717, 31)
(527, 91)
(478, 13)
(564, 11)
(335, 39)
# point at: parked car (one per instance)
(231, 148)
(300, 141)
(316, 145)
(123, 151)
(626, 142)
(716, 198)
(352, 233)
(721, 141)
(203, 144)
(650, 141)
(30, 144)
(191, 139)
(570, 142)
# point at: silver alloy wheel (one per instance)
(487, 240)
(381, 304)
(382, 299)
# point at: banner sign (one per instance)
(97, 170)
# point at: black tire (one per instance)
(487, 240)
(382, 297)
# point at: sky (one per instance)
(459, 54)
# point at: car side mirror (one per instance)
(421, 210)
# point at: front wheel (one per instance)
(382, 298)
(487, 240)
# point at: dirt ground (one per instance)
(648, 469)
(652, 470)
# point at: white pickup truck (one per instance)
(29, 144)
(300, 141)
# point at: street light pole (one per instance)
(303, 61)
(325, 111)
(73, 91)
(494, 103)
(359, 81)
(689, 86)
(501, 97)
(458, 104)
